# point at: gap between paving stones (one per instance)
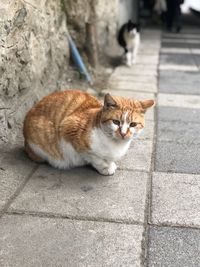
(71, 217)
(17, 192)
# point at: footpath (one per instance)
(148, 213)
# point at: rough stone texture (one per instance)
(176, 199)
(138, 156)
(182, 101)
(176, 114)
(179, 132)
(100, 12)
(174, 247)
(14, 170)
(33, 57)
(134, 78)
(178, 59)
(87, 195)
(136, 86)
(58, 242)
(172, 157)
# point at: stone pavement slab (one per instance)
(174, 247)
(134, 78)
(148, 132)
(182, 101)
(179, 59)
(139, 70)
(180, 82)
(178, 114)
(177, 67)
(130, 94)
(173, 50)
(15, 167)
(138, 156)
(181, 158)
(179, 88)
(148, 59)
(175, 199)
(136, 86)
(179, 132)
(82, 192)
(59, 242)
(168, 44)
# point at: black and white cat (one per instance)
(129, 39)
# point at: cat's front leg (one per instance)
(101, 165)
(134, 55)
(128, 59)
(105, 168)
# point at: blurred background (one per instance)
(35, 57)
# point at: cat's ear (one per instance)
(147, 104)
(109, 102)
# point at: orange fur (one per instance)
(71, 116)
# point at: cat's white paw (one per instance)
(129, 64)
(110, 170)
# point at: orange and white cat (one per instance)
(72, 128)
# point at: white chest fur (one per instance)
(106, 148)
(132, 40)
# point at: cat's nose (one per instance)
(122, 134)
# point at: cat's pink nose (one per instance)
(122, 134)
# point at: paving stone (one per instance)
(83, 192)
(176, 199)
(59, 242)
(148, 59)
(136, 86)
(182, 40)
(148, 132)
(197, 58)
(178, 114)
(138, 156)
(174, 247)
(185, 81)
(176, 67)
(179, 132)
(178, 44)
(178, 88)
(167, 43)
(182, 101)
(129, 94)
(136, 70)
(172, 50)
(182, 35)
(182, 158)
(195, 51)
(134, 78)
(15, 167)
(179, 76)
(179, 59)
(146, 50)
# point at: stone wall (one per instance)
(34, 54)
(101, 12)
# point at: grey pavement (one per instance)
(148, 213)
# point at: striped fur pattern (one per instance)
(72, 128)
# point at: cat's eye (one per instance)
(116, 122)
(133, 124)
